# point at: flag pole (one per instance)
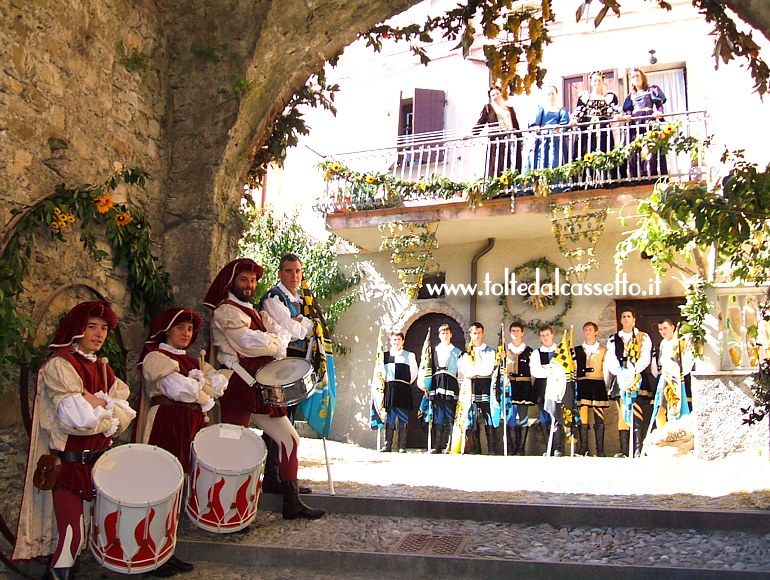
(328, 468)
(501, 381)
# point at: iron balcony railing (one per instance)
(462, 157)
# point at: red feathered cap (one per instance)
(165, 320)
(221, 285)
(73, 326)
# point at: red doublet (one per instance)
(238, 393)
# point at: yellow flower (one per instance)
(669, 129)
(588, 158)
(335, 167)
(370, 179)
(503, 180)
(122, 219)
(104, 203)
(421, 186)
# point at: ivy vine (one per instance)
(91, 207)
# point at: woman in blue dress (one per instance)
(644, 108)
(548, 124)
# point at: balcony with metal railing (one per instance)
(449, 174)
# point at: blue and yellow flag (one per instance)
(377, 413)
(318, 408)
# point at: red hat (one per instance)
(165, 320)
(73, 326)
(223, 282)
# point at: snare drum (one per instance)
(226, 477)
(135, 513)
(286, 382)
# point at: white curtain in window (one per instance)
(672, 83)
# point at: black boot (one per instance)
(583, 436)
(599, 436)
(446, 438)
(523, 444)
(271, 481)
(401, 437)
(293, 507)
(60, 573)
(389, 430)
(474, 440)
(638, 438)
(491, 440)
(558, 442)
(513, 440)
(624, 436)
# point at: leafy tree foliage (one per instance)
(267, 237)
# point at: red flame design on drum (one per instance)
(146, 551)
(113, 550)
(242, 503)
(216, 511)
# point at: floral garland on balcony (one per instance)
(371, 190)
(411, 248)
(126, 230)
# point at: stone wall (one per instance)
(89, 87)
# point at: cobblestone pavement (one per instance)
(737, 483)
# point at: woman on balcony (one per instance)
(644, 107)
(549, 122)
(502, 121)
(594, 111)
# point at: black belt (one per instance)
(81, 456)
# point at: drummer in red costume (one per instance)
(247, 341)
(178, 391)
(80, 406)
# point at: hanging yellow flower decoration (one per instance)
(370, 179)
(122, 219)
(503, 180)
(104, 203)
(588, 158)
(669, 129)
(335, 167)
(61, 220)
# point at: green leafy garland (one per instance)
(368, 190)
(126, 230)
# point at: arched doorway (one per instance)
(417, 433)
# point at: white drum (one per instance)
(135, 513)
(225, 478)
(286, 382)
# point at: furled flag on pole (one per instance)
(377, 412)
(425, 379)
(494, 395)
(565, 372)
(671, 394)
(318, 408)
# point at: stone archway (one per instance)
(414, 322)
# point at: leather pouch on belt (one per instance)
(46, 472)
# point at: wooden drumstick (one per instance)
(105, 361)
(202, 362)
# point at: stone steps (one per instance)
(436, 528)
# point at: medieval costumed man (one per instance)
(592, 381)
(246, 341)
(521, 392)
(674, 364)
(79, 407)
(178, 390)
(629, 353)
(441, 388)
(477, 366)
(539, 366)
(399, 370)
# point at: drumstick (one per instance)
(105, 361)
(202, 362)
